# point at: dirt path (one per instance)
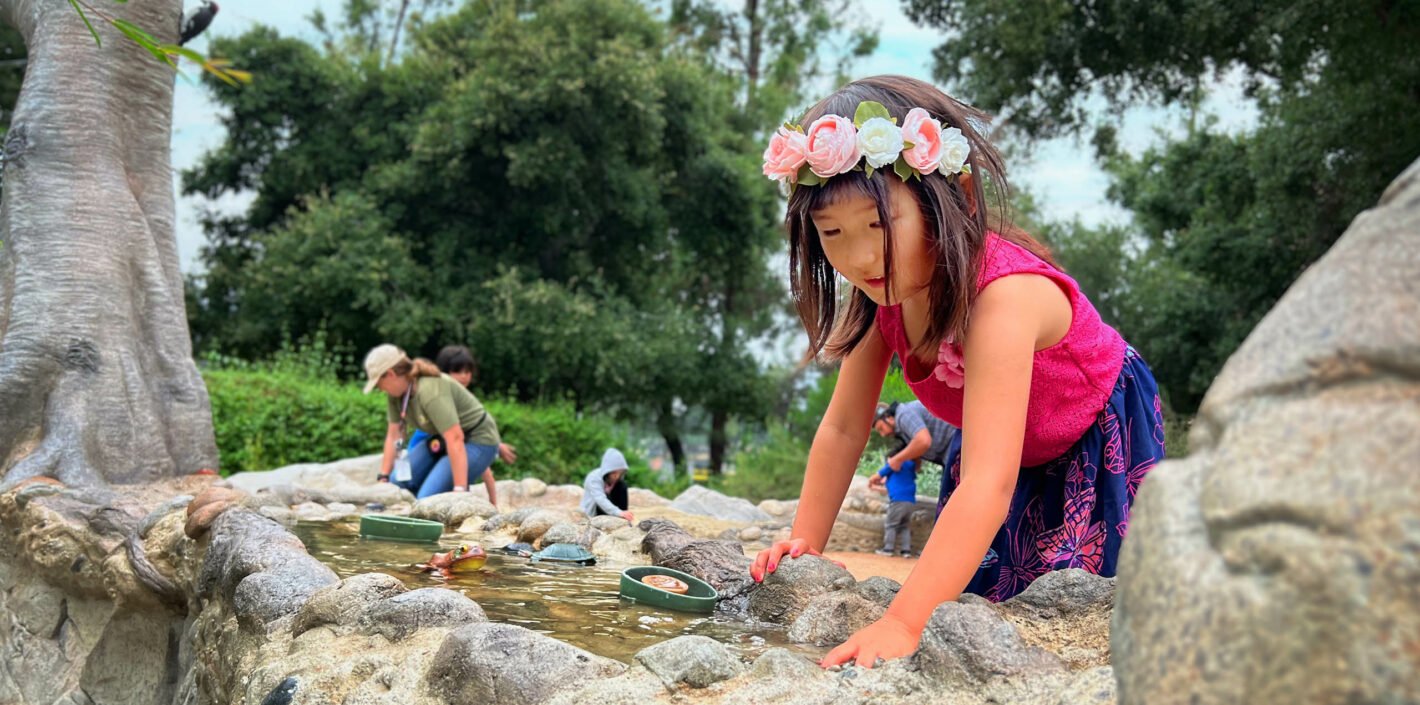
(865, 565)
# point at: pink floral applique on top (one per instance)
(949, 367)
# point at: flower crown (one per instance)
(835, 145)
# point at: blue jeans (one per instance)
(429, 476)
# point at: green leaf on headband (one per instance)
(868, 170)
(901, 168)
(869, 109)
(807, 177)
(907, 145)
(794, 128)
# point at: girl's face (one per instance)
(464, 377)
(852, 238)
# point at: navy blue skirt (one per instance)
(1073, 512)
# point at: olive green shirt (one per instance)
(437, 403)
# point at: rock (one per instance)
(782, 664)
(785, 592)
(342, 604)
(403, 614)
(452, 508)
(289, 495)
(214, 494)
(966, 645)
(259, 568)
(696, 661)
(561, 533)
(199, 520)
(779, 509)
(278, 513)
(751, 533)
(537, 523)
(729, 535)
(507, 519)
(533, 487)
(878, 590)
(622, 546)
(707, 502)
(1091, 687)
(640, 497)
(310, 511)
(1065, 592)
(1280, 561)
(503, 664)
(340, 510)
(609, 524)
(663, 538)
(829, 619)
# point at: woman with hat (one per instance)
(423, 398)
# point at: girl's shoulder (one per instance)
(1002, 258)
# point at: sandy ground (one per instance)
(866, 565)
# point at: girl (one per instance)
(421, 397)
(1060, 419)
(457, 362)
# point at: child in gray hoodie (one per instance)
(604, 491)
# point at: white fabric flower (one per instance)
(955, 150)
(880, 141)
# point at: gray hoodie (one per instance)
(594, 488)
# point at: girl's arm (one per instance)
(387, 460)
(1010, 320)
(458, 455)
(833, 457)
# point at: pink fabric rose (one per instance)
(925, 134)
(786, 152)
(833, 145)
(949, 365)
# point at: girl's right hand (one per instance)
(768, 559)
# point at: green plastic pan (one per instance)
(396, 528)
(699, 598)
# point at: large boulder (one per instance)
(829, 619)
(693, 660)
(503, 664)
(707, 502)
(1280, 561)
(970, 644)
(453, 508)
(722, 564)
(788, 590)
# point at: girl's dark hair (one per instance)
(416, 368)
(957, 233)
(456, 358)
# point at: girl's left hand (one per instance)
(887, 638)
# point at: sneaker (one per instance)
(883, 552)
(906, 554)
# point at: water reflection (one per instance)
(580, 605)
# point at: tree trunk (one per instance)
(671, 432)
(97, 381)
(718, 417)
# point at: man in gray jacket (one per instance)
(604, 491)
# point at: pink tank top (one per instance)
(1070, 382)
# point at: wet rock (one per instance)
(707, 502)
(403, 614)
(278, 513)
(342, 604)
(537, 523)
(693, 660)
(783, 664)
(503, 664)
(310, 511)
(878, 590)
(609, 524)
(1066, 592)
(966, 645)
(340, 510)
(785, 592)
(829, 619)
(561, 533)
(1280, 561)
(452, 508)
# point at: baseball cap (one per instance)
(379, 361)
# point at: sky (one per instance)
(1060, 173)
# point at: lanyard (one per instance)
(403, 409)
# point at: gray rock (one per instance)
(503, 664)
(609, 524)
(785, 592)
(1280, 561)
(965, 645)
(278, 513)
(729, 535)
(1065, 592)
(696, 661)
(310, 511)
(704, 501)
(397, 617)
(340, 510)
(508, 519)
(723, 564)
(287, 495)
(452, 508)
(537, 523)
(751, 533)
(783, 664)
(342, 603)
(663, 538)
(1091, 687)
(533, 487)
(258, 567)
(563, 533)
(878, 590)
(830, 618)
